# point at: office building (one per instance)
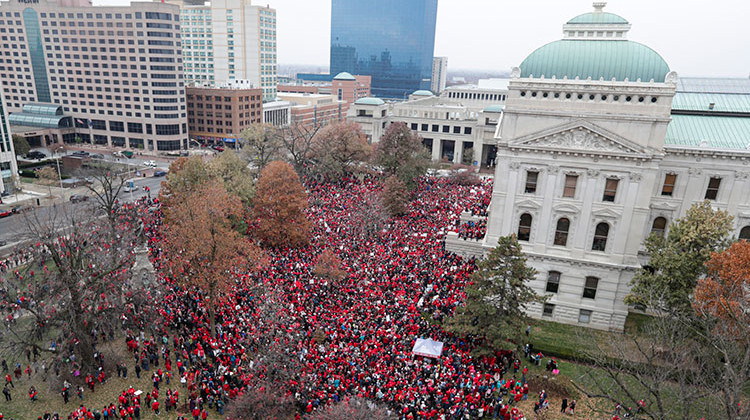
(439, 74)
(277, 113)
(8, 165)
(458, 126)
(390, 40)
(346, 87)
(117, 71)
(227, 40)
(593, 156)
(313, 110)
(220, 114)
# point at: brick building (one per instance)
(220, 114)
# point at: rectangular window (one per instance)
(446, 129)
(713, 188)
(467, 130)
(456, 130)
(424, 127)
(589, 289)
(531, 180)
(584, 316)
(668, 188)
(414, 126)
(548, 310)
(553, 282)
(435, 128)
(610, 190)
(569, 190)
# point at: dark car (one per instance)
(80, 153)
(77, 198)
(35, 155)
(160, 173)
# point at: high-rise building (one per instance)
(391, 40)
(439, 74)
(227, 40)
(117, 71)
(8, 166)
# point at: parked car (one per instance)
(127, 188)
(34, 154)
(159, 173)
(97, 156)
(3, 243)
(150, 163)
(82, 153)
(117, 154)
(77, 198)
(5, 213)
(20, 209)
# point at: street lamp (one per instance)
(59, 174)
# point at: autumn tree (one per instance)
(20, 145)
(201, 245)
(77, 283)
(400, 152)
(185, 174)
(279, 207)
(297, 141)
(494, 311)
(353, 408)
(48, 176)
(722, 303)
(394, 196)
(677, 260)
(262, 402)
(329, 266)
(260, 145)
(338, 148)
(233, 173)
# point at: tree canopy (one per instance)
(337, 149)
(260, 145)
(394, 196)
(279, 207)
(20, 145)
(677, 260)
(400, 152)
(496, 302)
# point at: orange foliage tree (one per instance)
(279, 207)
(329, 266)
(201, 245)
(725, 292)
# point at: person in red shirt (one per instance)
(155, 407)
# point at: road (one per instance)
(13, 228)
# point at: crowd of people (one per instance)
(351, 337)
(472, 229)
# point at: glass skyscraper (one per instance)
(391, 40)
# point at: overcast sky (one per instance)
(695, 37)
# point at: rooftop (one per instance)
(369, 101)
(422, 93)
(709, 132)
(344, 76)
(711, 102)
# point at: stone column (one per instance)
(458, 151)
(436, 148)
(478, 146)
(127, 142)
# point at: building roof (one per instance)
(722, 102)
(344, 76)
(42, 108)
(422, 93)
(599, 59)
(602, 18)
(713, 85)
(709, 132)
(494, 108)
(369, 101)
(41, 121)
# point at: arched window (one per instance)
(600, 237)
(561, 232)
(659, 225)
(745, 233)
(524, 227)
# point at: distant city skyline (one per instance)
(695, 38)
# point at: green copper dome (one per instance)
(600, 18)
(422, 93)
(369, 101)
(344, 76)
(608, 59)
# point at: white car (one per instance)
(150, 163)
(128, 188)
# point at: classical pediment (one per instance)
(606, 214)
(566, 208)
(528, 204)
(579, 136)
